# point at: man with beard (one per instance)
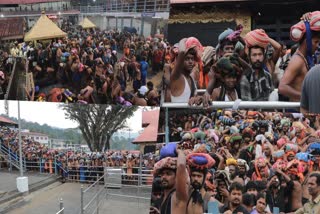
(182, 84)
(278, 188)
(199, 164)
(256, 85)
(243, 168)
(174, 182)
(235, 199)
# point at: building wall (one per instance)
(50, 6)
(118, 23)
(206, 26)
(41, 139)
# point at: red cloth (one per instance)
(257, 38)
(298, 30)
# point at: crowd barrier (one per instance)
(135, 6)
(238, 104)
(61, 211)
(140, 191)
(270, 105)
(93, 202)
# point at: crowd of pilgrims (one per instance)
(72, 164)
(250, 67)
(91, 66)
(246, 161)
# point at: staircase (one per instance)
(12, 158)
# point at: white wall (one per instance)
(110, 23)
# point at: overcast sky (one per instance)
(51, 114)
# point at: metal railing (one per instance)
(238, 104)
(128, 7)
(61, 211)
(34, 13)
(14, 89)
(146, 184)
(11, 157)
(93, 204)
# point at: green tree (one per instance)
(99, 122)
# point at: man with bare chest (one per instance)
(174, 181)
(301, 62)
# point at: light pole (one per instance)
(22, 182)
(20, 146)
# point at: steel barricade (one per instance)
(61, 211)
(94, 195)
(140, 191)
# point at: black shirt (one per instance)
(240, 208)
(278, 200)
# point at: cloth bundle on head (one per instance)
(228, 66)
(200, 148)
(314, 148)
(258, 38)
(235, 137)
(282, 141)
(294, 167)
(187, 136)
(227, 121)
(207, 56)
(223, 175)
(280, 164)
(285, 122)
(165, 163)
(212, 135)
(242, 162)
(231, 161)
(269, 136)
(290, 147)
(234, 130)
(247, 132)
(200, 161)
(168, 151)
(303, 156)
(298, 30)
(260, 165)
(278, 154)
(229, 35)
(199, 135)
(188, 43)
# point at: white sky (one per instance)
(51, 114)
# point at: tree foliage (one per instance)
(71, 135)
(99, 122)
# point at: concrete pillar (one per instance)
(142, 26)
(131, 22)
(117, 23)
(122, 20)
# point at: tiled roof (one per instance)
(6, 120)
(26, 1)
(11, 27)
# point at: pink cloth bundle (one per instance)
(298, 30)
(257, 38)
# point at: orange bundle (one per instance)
(257, 37)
